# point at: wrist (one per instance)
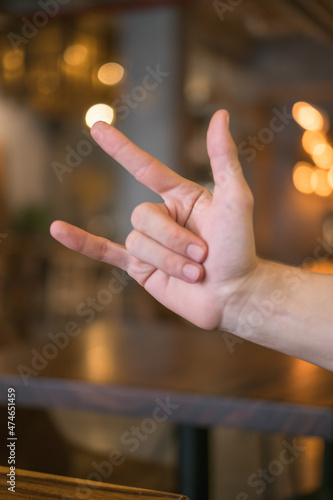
(255, 300)
(284, 308)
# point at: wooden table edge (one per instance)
(105, 487)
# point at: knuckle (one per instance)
(132, 240)
(140, 213)
(234, 167)
(173, 238)
(102, 249)
(136, 216)
(170, 263)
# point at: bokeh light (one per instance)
(99, 112)
(308, 117)
(323, 156)
(75, 55)
(319, 182)
(111, 73)
(330, 177)
(13, 60)
(312, 139)
(302, 174)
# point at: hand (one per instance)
(194, 252)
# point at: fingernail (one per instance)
(195, 252)
(191, 272)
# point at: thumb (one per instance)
(222, 151)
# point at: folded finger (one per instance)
(154, 221)
(151, 252)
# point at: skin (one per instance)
(195, 253)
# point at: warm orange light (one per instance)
(330, 177)
(302, 175)
(323, 155)
(75, 55)
(319, 182)
(312, 139)
(308, 117)
(13, 60)
(111, 73)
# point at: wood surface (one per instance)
(37, 486)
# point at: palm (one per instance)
(227, 259)
(223, 221)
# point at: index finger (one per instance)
(144, 167)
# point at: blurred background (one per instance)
(157, 70)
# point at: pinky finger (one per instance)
(90, 245)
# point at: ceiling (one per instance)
(313, 15)
(26, 7)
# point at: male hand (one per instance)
(194, 252)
